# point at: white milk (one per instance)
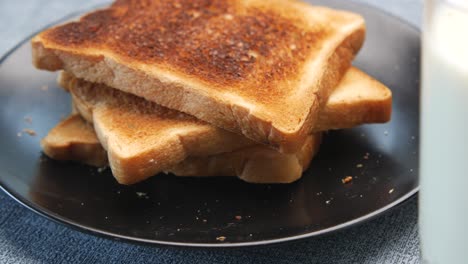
(443, 211)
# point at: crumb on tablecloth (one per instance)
(29, 131)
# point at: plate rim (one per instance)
(47, 214)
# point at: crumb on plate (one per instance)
(141, 194)
(347, 179)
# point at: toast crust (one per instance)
(245, 66)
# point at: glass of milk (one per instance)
(443, 197)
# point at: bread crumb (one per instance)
(366, 156)
(221, 238)
(347, 179)
(359, 165)
(28, 119)
(391, 191)
(29, 131)
(44, 88)
(142, 195)
(204, 220)
(19, 134)
(327, 201)
(101, 169)
(178, 229)
(238, 217)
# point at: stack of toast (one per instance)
(207, 87)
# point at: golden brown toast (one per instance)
(167, 137)
(358, 99)
(258, 68)
(74, 139)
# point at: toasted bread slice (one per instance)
(74, 139)
(167, 137)
(258, 68)
(255, 164)
(358, 99)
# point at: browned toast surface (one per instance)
(253, 67)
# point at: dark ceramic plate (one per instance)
(194, 212)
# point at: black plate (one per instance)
(194, 212)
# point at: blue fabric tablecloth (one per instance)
(26, 237)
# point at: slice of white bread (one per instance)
(258, 68)
(74, 139)
(161, 138)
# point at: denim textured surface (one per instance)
(26, 237)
